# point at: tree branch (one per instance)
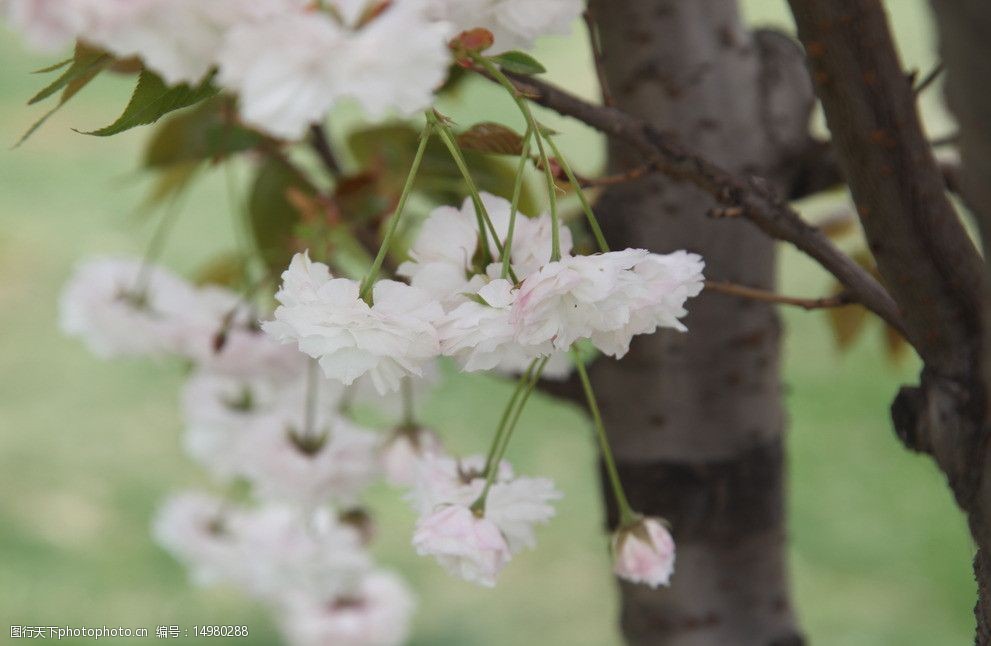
(752, 293)
(321, 146)
(754, 199)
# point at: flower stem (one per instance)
(514, 207)
(626, 513)
(485, 226)
(593, 223)
(390, 231)
(531, 378)
(496, 440)
(493, 70)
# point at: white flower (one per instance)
(294, 83)
(121, 308)
(607, 297)
(395, 61)
(180, 39)
(51, 25)
(464, 544)
(193, 527)
(656, 292)
(481, 335)
(376, 612)
(335, 460)
(644, 553)
(225, 415)
(312, 62)
(515, 24)
(517, 505)
(220, 333)
(394, 338)
(403, 452)
(443, 480)
(443, 255)
(285, 553)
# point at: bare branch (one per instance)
(597, 57)
(755, 200)
(752, 293)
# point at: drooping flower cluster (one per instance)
(255, 412)
(459, 306)
(291, 61)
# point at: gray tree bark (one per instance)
(696, 420)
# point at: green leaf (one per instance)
(519, 63)
(272, 215)
(85, 66)
(84, 62)
(203, 133)
(54, 66)
(153, 99)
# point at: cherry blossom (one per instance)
(394, 338)
(122, 307)
(375, 612)
(403, 452)
(466, 545)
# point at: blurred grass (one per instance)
(88, 449)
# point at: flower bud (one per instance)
(644, 553)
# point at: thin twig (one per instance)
(597, 57)
(752, 293)
(928, 79)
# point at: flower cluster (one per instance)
(459, 306)
(291, 61)
(255, 412)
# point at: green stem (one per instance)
(157, 244)
(514, 207)
(532, 377)
(390, 231)
(494, 71)
(626, 513)
(496, 439)
(485, 226)
(593, 223)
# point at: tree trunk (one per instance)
(696, 419)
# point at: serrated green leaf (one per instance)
(519, 63)
(203, 133)
(74, 79)
(272, 216)
(153, 99)
(85, 61)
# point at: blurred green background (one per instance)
(88, 449)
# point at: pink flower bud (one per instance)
(644, 553)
